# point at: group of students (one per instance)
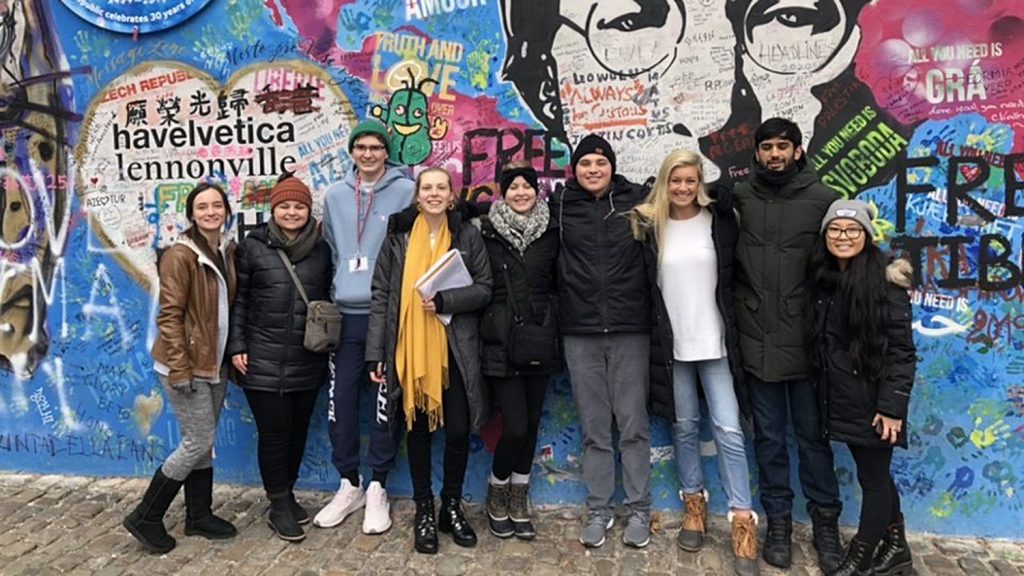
(771, 297)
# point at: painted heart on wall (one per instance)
(159, 129)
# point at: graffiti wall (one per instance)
(913, 105)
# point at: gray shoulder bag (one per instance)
(323, 320)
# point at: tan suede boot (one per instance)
(695, 519)
(744, 544)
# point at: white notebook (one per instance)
(448, 272)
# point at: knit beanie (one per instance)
(527, 172)
(593, 144)
(857, 210)
(290, 188)
(370, 127)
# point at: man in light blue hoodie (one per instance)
(355, 222)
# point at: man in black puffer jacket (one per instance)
(780, 210)
(604, 303)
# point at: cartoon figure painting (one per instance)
(405, 115)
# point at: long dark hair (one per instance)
(861, 289)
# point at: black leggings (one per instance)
(881, 503)
(520, 400)
(455, 405)
(282, 421)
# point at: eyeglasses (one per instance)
(837, 233)
(368, 148)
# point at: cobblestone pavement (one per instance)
(72, 525)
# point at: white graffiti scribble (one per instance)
(947, 327)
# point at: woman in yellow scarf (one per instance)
(427, 372)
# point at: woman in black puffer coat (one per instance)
(859, 328)
(280, 377)
(522, 243)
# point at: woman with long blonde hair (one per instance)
(692, 231)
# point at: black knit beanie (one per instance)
(593, 144)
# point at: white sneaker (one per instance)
(347, 500)
(377, 516)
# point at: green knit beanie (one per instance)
(370, 127)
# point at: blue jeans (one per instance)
(771, 402)
(725, 427)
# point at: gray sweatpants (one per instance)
(198, 412)
(609, 382)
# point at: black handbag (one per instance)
(530, 346)
(323, 320)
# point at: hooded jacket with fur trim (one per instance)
(848, 402)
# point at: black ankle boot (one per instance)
(858, 560)
(282, 519)
(893, 556)
(453, 520)
(199, 517)
(425, 527)
(146, 521)
(300, 513)
(825, 529)
(778, 543)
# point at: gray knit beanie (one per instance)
(857, 210)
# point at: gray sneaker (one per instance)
(592, 535)
(638, 530)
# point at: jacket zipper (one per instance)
(604, 265)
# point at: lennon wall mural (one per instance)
(915, 106)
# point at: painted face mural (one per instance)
(37, 119)
(666, 73)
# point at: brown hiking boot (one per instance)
(744, 544)
(695, 519)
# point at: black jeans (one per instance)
(282, 421)
(774, 405)
(455, 405)
(881, 500)
(520, 400)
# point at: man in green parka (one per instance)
(780, 207)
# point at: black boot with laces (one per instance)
(425, 527)
(454, 521)
(825, 531)
(858, 560)
(778, 543)
(893, 555)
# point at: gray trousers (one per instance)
(198, 412)
(609, 375)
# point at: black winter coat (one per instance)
(268, 318)
(533, 290)
(724, 233)
(779, 229)
(463, 303)
(849, 402)
(602, 281)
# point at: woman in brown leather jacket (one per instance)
(197, 286)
